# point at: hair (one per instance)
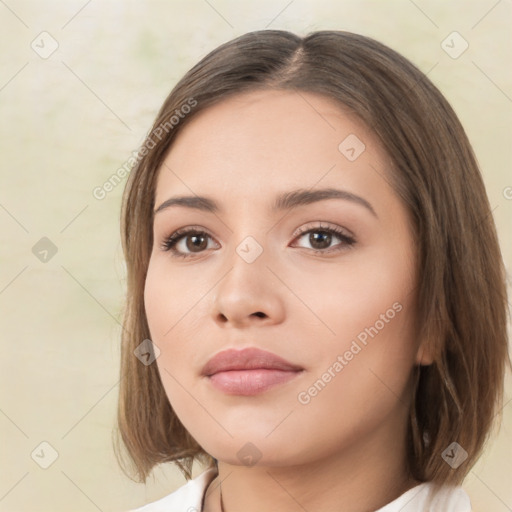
(461, 288)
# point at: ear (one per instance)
(425, 355)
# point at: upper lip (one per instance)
(246, 359)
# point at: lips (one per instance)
(248, 372)
(246, 359)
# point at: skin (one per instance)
(347, 444)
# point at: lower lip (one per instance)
(250, 382)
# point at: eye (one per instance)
(191, 239)
(186, 242)
(320, 238)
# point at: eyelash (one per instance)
(170, 242)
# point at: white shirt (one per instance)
(189, 497)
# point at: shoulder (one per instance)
(446, 499)
(187, 498)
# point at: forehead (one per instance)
(255, 142)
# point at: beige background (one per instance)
(69, 120)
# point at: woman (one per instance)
(316, 301)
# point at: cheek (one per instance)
(362, 292)
(173, 304)
(163, 310)
(169, 300)
(366, 315)
(164, 307)
(362, 378)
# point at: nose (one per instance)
(249, 294)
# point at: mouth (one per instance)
(250, 382)
(248, 372)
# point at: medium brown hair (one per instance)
(461, 291)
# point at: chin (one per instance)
(250, 451)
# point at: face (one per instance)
(326, 283)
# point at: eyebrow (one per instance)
(285, 201)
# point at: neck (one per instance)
(362, 477)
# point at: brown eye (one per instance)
(195, 242)
(186, 242)
(323, 240)
(320, 238)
